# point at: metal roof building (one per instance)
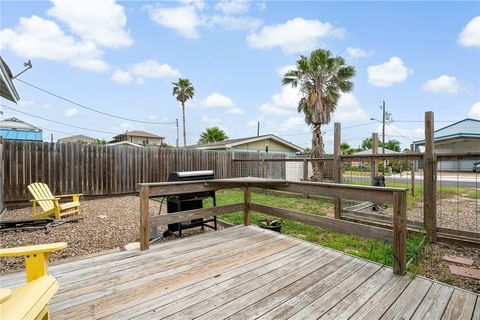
(459, 137)
(16, 129)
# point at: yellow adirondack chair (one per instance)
(30, 301)
(49, 203)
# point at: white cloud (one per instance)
(35, 37)
(126, 126)
(152, 69)
(475, 111)
(198, 4)
(232, 6)
(358, 53)
(293, 36)
(349, 109)
(71, 112)
(121, 76)
(470, 35)
(152, 117)
(284, 69)
(26, 103)
(145, 69)
(283, 103)
(236, 23)
(101, 21)
(214, 122)
(388, 73)
(185, 20)
(443, 84)
(254, 122)
(217, 100)
(293, 124)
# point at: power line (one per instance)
(329, 130)
(89, 108)
(58, 122)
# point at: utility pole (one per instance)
(176, 121)
(258, 128)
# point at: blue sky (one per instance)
(121, 57)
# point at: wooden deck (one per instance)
(245, 273)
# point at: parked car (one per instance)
(476, 166)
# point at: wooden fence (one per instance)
(100, 169)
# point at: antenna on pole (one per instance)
(27, 65)
(258, 128)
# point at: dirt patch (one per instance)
(107, 223)
(432, 265)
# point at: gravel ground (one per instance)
(461, 213)
(108, 223)
(432, 266)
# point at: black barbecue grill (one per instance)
(190, 201)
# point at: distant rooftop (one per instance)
(138, 133)
(369, 151)
(17, 124)
(78, 138)
(466, 128)
(229, 143)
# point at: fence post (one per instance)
(305, 169)
(337, 166)
(144, 218)
(305, 176)
(234, 168)
(429, 180)
(399, 232)
(412, 172)
(263, 169)
(373, 163)
(247, 198)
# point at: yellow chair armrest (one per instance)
(29, 250)
(36, 257)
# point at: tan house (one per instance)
(77, 138)
(140, 137)
(265, 143)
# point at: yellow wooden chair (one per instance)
(30, 301)
(50, 204)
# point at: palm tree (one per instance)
(321, 79)
(212, 134)
(183, 90)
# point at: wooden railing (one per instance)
(394, 196)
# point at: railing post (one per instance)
(429, 180)
(412, 172)
(337, 167)
(247, 198)
(399, 232)
(305, 169)
(373, 162)
(144, 218)
(305, 176)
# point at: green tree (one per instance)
(366, 144)
(100, 141)
(183, 90)
(346, 149)
(321, 79)
(393, 145)
(212, 134)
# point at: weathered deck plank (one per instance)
(460, 306)
(404, 307)
(434, 303)
(246, 273)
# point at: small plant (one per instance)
(270, 224)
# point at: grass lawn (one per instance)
(365, 248)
